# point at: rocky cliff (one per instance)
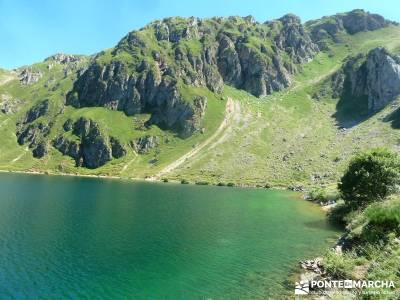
(370, 81)
(146, 71)
(91, 147)
(352, 22)
(173, 73)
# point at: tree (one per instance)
(371, 176)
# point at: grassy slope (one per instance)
(250, 151)
(17, 158)
(292, 124)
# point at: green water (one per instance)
(78, 238)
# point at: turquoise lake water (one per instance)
(85, 238)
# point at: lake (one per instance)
(87, 238)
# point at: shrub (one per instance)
(381, 219)
(339, 266)
(337, 215)
(184, 181)
(318, 194)
(202, 183)
(375, 224)
(371, 176)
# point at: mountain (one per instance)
(210, 100)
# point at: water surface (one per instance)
(84, 238)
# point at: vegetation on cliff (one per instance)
(245, 102)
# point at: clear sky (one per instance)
(31, 30)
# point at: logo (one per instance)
(302, 288)
(319, 287)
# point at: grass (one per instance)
(375, 248)
(287, 138)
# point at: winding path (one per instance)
(232, 111)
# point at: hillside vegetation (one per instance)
(220, 101)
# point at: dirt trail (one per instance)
(232, 112)
(129, 163)
(20, 156)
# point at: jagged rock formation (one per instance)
(172, 72)
(149, 69)
(352, 22)
(294, 39)
(36, 112)
(144, 144)
(68, 147)
(373, 79)
(40, 150)
(29, 76)
(63, 58)
(68, 125)
(93, 149)
(117, 149)
(34, 135)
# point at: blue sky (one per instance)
(31, 30)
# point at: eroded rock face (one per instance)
(294, 39)
(359, 20)
(110, 86)
(144, 144)
(68, 125)
(375, 77)
(93, 149)
(68, 147)
(383, 79)
(32, 134)
(29, 76)
(117, 149)
(353, 22)
(63, 58)
(203, 53)
(40, 150)
(36, 112)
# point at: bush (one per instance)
(375, 224)
(184, 181)
(339, 266)
(202, 183)
(371, 176)
(318, 194)
(381, 219)
(337, 215)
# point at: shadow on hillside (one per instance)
(394, 119)
(351, 111)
